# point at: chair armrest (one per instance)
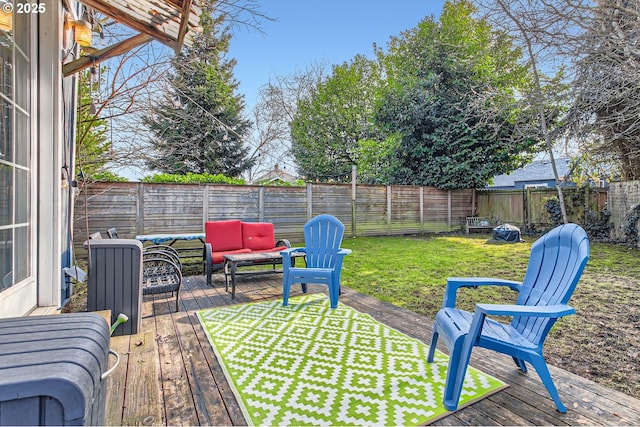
(283, 242)
(454, 283)
(160, 267)
(207, 254)
(287, 252)
(558, 310)
(287, 262)
(158, 252)
(344, 251)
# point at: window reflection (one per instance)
(16, 247)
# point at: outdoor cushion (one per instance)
(218, 257)
(224, 235)
(258, 236)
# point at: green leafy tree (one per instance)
(452, 95)
(328, 125)
(377, 161)
(199, 126)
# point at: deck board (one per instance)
(192, 389)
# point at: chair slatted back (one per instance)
(556, 263)
(322, 237)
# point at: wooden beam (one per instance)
(184, 23)
(126, 19)
(106, 53)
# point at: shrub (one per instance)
(192, 178)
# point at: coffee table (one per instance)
(233, 261)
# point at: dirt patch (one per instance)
(602, 340)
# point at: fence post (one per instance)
(353, 200)
(449, 213)
(474, 210)
(526, 196)
(587, 205)
(261, 204)
(389, 209)
(421, 210)
(205, 204)
(309, 201)
(140, 208)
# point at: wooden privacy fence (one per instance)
(366, 210)
(526, 207)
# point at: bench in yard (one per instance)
(479, 223)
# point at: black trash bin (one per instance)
(507, 233)
(53, 369)
(115, 281)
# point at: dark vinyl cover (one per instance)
(507, 233)
(61, 357)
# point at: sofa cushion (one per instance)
(218, 257)
(258, 236)
(224, 235)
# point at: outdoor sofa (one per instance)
(237, 237)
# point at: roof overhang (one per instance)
(168, 21)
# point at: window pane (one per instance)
(6, 194)
(21, 65)
(23, 207)
(22, 253)
(6, 67)
(6, 249)
(23, 139)
(6, 130)
(23, 21)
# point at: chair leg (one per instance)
(520, 364)
(286, 288)
(333, 295)
(455, 375)
(434, 343)
(543, 372)
(459, 361)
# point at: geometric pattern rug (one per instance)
(306, 364)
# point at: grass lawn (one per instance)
(601, 341)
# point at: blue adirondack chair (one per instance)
(323, 256)
(555, 265)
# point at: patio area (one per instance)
(169, 374)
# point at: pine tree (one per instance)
(199, 124)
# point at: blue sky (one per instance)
(307, 31)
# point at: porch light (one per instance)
(82, 33)
(6, 18)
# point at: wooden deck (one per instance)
(169, 374)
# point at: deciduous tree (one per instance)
(605, 115)
(339, 113)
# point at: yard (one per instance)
(601, 342)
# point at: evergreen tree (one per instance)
(199, 124)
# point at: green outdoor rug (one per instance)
(306, 364)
